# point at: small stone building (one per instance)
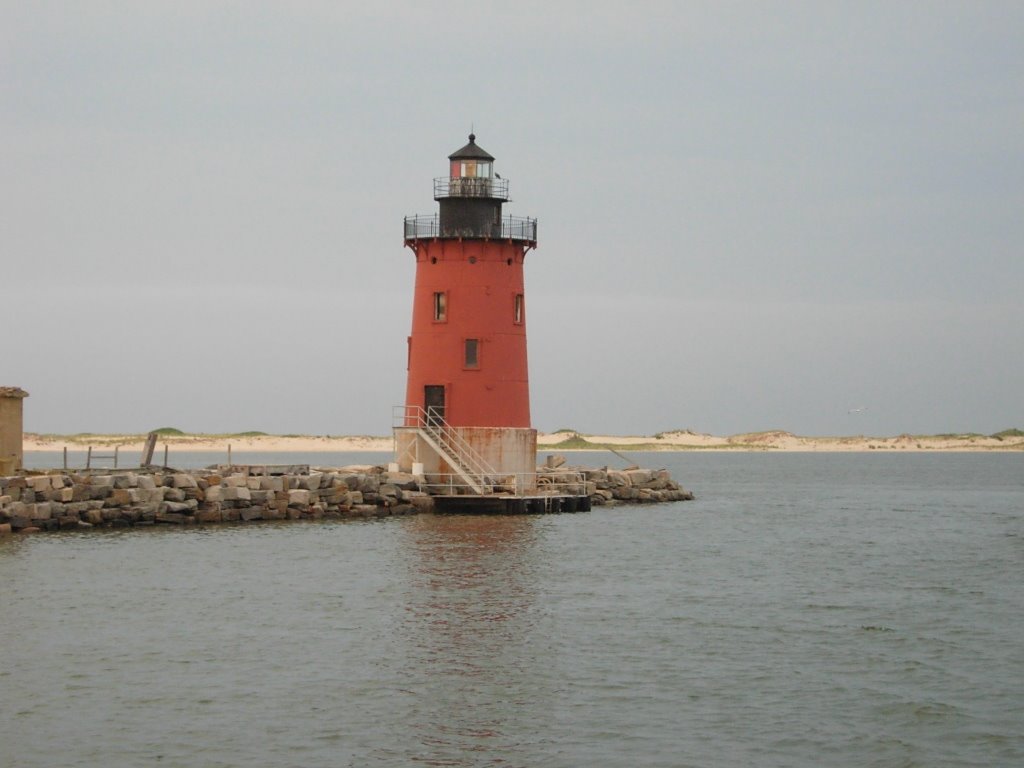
(11, 429)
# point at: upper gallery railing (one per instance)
(460, 186)
(510, 228)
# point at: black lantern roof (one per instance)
(470, 152)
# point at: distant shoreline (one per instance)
(683, 440)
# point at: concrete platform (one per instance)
(510, 505)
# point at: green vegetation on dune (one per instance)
(1014, 432)
(169, 431)
(574, 442)
(669, 432)
(577, 442)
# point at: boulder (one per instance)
(40, 511)
(618, 479)
(173, 518)
(402, 480)
(310, 482)
(639, 477)
(122, 497)
(271, 484)
(174, 494)
(422, 503)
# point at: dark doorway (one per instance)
(433, 403)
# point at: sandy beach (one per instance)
(663, 441)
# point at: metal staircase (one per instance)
(452, 447)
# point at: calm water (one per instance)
(806, 610)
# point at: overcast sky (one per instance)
(752, 215)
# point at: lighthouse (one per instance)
(466, 418)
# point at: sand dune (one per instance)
(664, 441)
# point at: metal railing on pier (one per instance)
(514, 484)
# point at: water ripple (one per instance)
(868, 614)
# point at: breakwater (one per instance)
(56, 500)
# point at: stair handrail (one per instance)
(435, 424)
(449, 440)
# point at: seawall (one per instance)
(55, 500)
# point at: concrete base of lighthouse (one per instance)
(510, 452)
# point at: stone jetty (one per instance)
(612, 486)
(55, 500)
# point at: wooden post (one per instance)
(165, 455)
(147, 450)
(65, 458)
(116, 447)
(88, 458)
(229, 454)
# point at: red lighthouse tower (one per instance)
(467, 402)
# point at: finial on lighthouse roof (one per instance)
(471, 151)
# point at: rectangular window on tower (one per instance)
(440, 307)
(517, 311)
(472, 359)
